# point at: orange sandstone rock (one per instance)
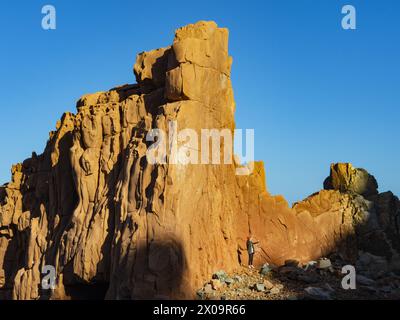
(114, 225)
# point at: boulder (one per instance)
(324, 263)
(151, 67)
(345, 178)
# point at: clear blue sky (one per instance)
(313, 92)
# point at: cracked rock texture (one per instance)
(116, 226)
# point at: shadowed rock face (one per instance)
(109, 221)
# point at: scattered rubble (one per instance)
(314, 280)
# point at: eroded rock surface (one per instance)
(370, 220)
(115, 225)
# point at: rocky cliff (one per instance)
(114, 225)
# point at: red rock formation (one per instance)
(94, 207)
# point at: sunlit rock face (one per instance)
(345, 178)
(117, 226)
(369, 220)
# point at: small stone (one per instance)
(220, 275)
(265, 269)
(200, 294)
(275, 290)
(310, 264)
(324, 263)
(260, 287)
(273, 267)
(268, 284)
(216, 284)
(208, 288)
